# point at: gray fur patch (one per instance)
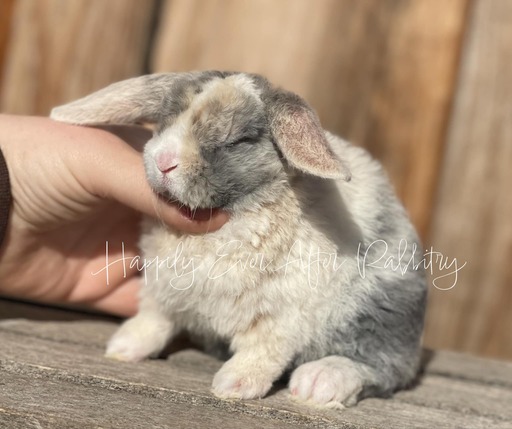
(178, 96)
(384, 336)
(234, 171)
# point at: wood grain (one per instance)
(6, 8)
(54, 373)
(474, 210)
(67, 405)
(379, 73)
(61, 50)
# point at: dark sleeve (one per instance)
(5, 197)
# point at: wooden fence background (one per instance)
(425, 85)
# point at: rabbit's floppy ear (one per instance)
(300, 137)
(139, 99)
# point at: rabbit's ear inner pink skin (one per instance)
(300, 137)
(303, 143)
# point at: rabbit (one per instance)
(313, 276)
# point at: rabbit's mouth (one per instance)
(199, 214)
(191, 212)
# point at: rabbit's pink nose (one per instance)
(166, 162)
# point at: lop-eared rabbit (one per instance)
(312, 274)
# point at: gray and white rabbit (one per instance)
(313, 274)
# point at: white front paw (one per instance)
(333, 381)
(241, 383)
(137, 339)
(126, 348)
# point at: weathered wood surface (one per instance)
(53, 375)
(6, 8)
(379, 73)
(60, 50)
(472, 221)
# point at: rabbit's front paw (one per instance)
(333, 381)
(137, 339)
(241, 383)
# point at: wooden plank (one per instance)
(95, 333)
(474, 208)
(71, 352)
(58, 404)
(6, 8)
(461, 366)
(90, 333)
(61, 50)
(443, 393)
(379, 73)
(58, 368)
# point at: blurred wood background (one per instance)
(425, 85)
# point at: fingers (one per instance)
(116, 171)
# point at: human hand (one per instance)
(74, 188)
